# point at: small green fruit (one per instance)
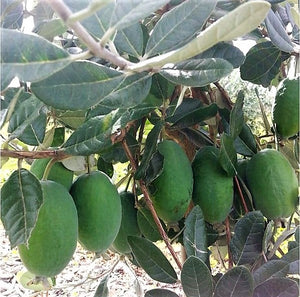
(53, 239)
(99, 210)
(129, 224)
(213, 188)
(273, 184)
(174, 186)
(58, 172)
(286, 108)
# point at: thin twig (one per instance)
(58, 155)
(65, 14)
(241, 194)
(147, 198)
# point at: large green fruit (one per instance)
(286, 108)
(213, 188)
(173, 188)
(99, 210)
(273, 184)
(58, 172)
(129, 224)
(53, 240)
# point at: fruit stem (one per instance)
(48, 168)
(241, 194)
(150, 205)
(228, 238)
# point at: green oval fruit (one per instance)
(174, 186)
(286, 108)
(99, 210)
(213, 188)
(129, 224)
(53, 239)
(58, 172)
(272, 183)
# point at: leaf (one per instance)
(127, 13)
(106, 167)
(150, 148)
(195, 116)
(225, 51)
(292, 257)
(236, 282)
(242, 20)
(154, 168)
(237, 116)
(71, 119)
(245, 143)
(196, 72)
(91, 137)
(178, 26)
(194, 235)
(271, 269)
(80, 85)
(277, 287)
(227, 156)
(268, 235)
(21, 198)
(11, 14)
(277, 33)
(29, 57)
(196, 278)
(152, 260)
(51, 28)
(262, 63)
(102, 289)
(29, 115)
(246, 243)
(198, 137)
(130, 40)
(160, 293)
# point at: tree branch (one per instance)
(150, 205)
(65, 14)
(56, 154)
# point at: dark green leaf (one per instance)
(277, 33)
(26, 118)
(277, 287)
(195, 116)
(196, 73)
(237, 282)
(21, 198)
(96, 24)
(150, 148)
(292, 257)
(29, 57)
(102, 289)
(130, 40)
(58, 137)
(237, 116)
(154, 168)
(11, 14)
(227, 156)
(194, 235)
(245, 143)
(179, 25)
(72, 119)
(105, 167)
(92, 137)
(297, 234)
(274, 268)
(80, 85)
(152, 260)
(262, 63)
(160, 293)
(196, 278)
(224, 51)
(246, 243)
(161, 88)
(198, 137)
(127, 13)
(50, 29)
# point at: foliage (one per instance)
(102, 83)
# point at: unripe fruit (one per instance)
(273, 184)
(286, 108)
(99, 210)
(173, 188)
(213, 188)
(129, 224)
(53, 239)
(58, 172)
